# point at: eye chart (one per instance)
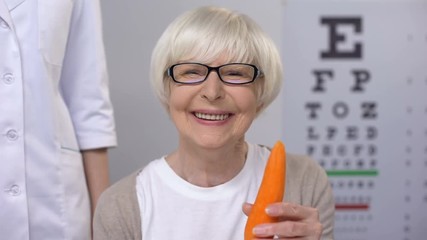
(355, 100)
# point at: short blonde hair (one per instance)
(206, 33)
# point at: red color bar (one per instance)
(351, 206)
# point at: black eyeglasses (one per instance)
(232, 73)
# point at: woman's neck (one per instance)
(208, 167)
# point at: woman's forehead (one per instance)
(222, 57)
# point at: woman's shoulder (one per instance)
(303, 170)
(303, 173)
(119, 196)
(117, 212)
(124, 186)
(306, 180)
(296, 163)
(302, 163)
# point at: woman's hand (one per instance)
(295, 222)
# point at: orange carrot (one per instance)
(272, 189)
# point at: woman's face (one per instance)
(212, 114)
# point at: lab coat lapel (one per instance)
(5, 7)
(11, 4)
(4, 13)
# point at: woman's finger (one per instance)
(247, 207)
(291, 211)
(289, 230)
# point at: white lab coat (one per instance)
(54, 102)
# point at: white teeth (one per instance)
(212, 117)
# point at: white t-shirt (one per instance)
(174, 209)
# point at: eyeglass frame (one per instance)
(257, 72)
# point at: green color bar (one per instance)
(363, 173)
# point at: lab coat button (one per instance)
(8, 78)
(14, 190)
(12, 135)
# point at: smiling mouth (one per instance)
(212, 117)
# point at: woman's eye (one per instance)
(235, 74)
(193, 72)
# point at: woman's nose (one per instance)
(212, 87)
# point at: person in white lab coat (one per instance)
(56, 118)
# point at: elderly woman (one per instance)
(215, 71)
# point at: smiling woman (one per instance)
(205, 36)
(214, 71)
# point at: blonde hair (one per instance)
(206, 33)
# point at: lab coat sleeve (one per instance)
(84, 78)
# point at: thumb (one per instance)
(247, 207)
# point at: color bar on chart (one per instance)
(353, 173)
(344, 207)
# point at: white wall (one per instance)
(131, 29)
